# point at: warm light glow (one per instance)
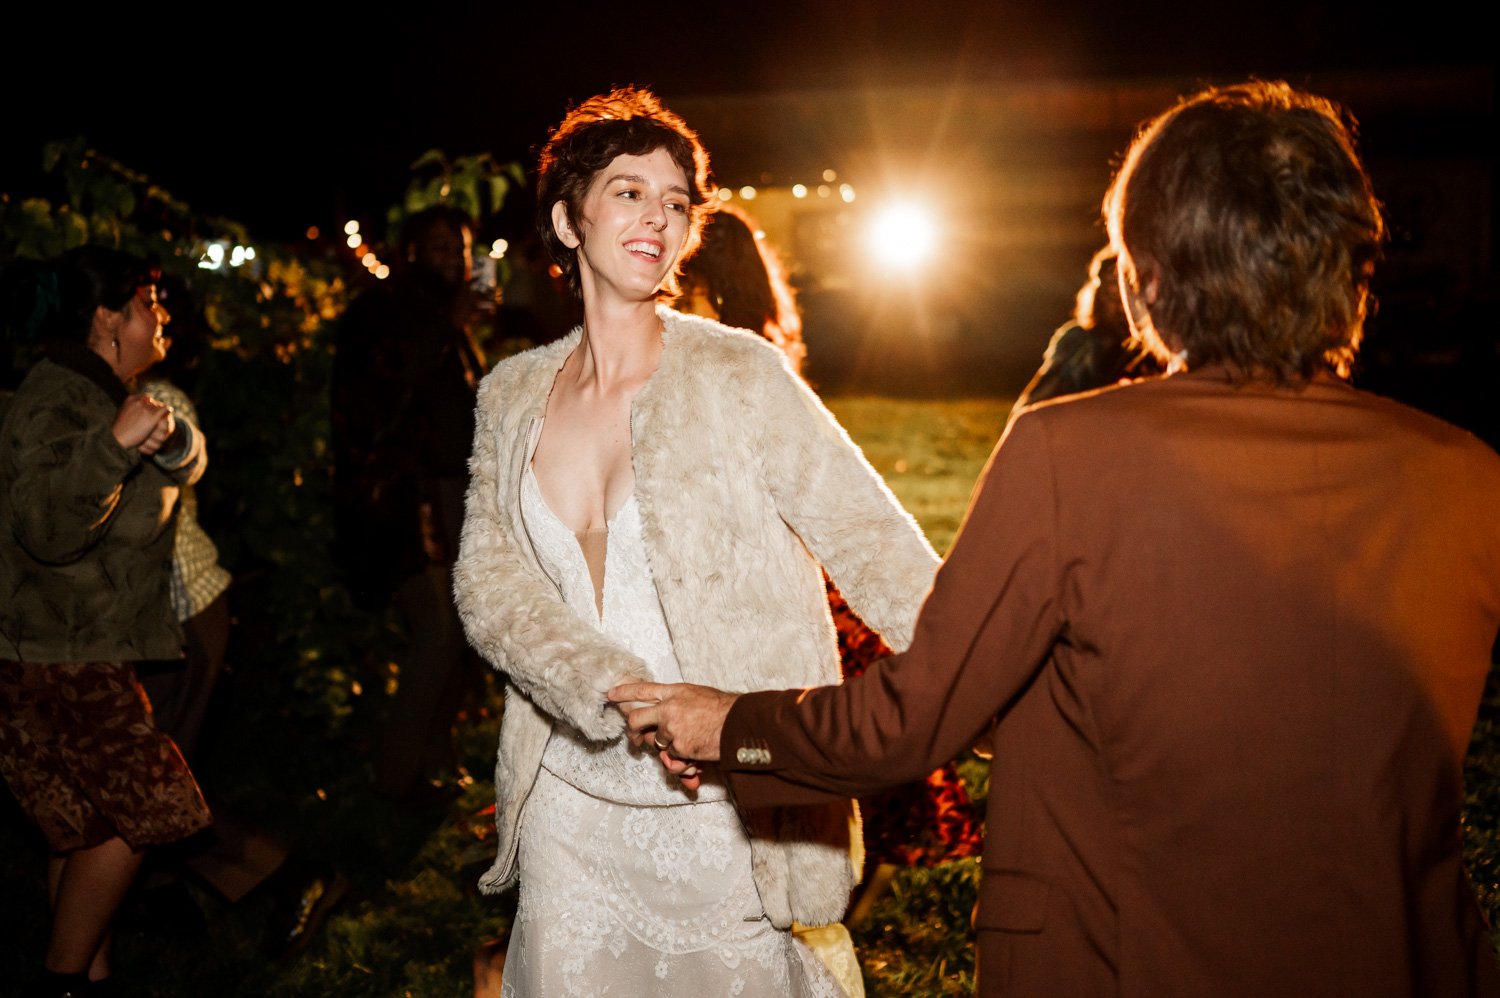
(353, 241)
(498, 248)
(249, 252)
(725, 194)
(382, 272)
(846, 191)
(824, 190)
(747, 192)
(830, 176)
(903, 234)
(213, 256)
(351, 227)
(238, 258)
(313, 232)
(799, 190)
(369, 260)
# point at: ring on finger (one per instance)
(660, 745)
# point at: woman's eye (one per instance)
(678, 207)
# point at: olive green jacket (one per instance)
(86, 526)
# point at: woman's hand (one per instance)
(143, 424)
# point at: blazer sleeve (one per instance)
(840, 507)
(984, 633)
(69, 481)
(514, 616)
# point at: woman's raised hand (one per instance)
(143, 424)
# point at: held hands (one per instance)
(143, 424)
(681, 721)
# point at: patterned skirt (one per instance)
(85, 761)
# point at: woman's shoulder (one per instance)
(706, 344)
(49, 385)
(523, 371)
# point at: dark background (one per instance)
(284, 116)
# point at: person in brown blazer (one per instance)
(1231, 626)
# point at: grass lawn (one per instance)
(414, 921)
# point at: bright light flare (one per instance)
(903, 235)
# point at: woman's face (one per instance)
(139, 335)
(631, 226)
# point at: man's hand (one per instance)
(681, 721)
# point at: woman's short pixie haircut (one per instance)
(626, 122)
(1249, 209)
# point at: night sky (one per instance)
(282, 115)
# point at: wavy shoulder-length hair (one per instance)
(630, 121)
(1246, 212)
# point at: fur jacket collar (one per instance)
(745, 486)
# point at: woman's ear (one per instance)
(104, 329)
(563, 226)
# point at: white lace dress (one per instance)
(629, 887)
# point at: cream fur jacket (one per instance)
(745, 485)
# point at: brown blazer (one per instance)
(1235, 639)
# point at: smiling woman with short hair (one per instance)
(653, 497)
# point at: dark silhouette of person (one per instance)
(404, 379)
(1096, 348)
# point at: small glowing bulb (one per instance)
(353, 241)
(498, 248)
(382, 272)
(725, 194)
(830, 176)
(824, 190)
(313, 232)
(249, 252)
(799, 190)
(846, 191)
(369, 260)
(747, 192)
(351, 227)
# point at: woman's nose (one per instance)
(656, 215)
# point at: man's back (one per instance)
(1239, 770)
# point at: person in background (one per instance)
(89, 478)
(737, 278)
(404, 380)
(1234, 623)
(1097, 348)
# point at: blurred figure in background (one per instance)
(737, 278)
(89, 478)
(404, 381)
(1097, 348)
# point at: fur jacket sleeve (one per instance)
(515, 617)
